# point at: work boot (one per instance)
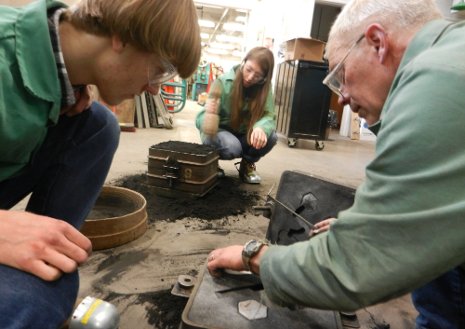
(248, 174)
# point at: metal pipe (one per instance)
(291, 211)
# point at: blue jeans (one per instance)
(441, 303)
(65, 178)
(231, 146)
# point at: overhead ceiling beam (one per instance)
(225, 13)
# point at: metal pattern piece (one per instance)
(186, 281)
(183, 287)
(349, 320)
(265, 210)
(252, 310)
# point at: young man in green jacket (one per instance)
(400, 67)
(56, 145)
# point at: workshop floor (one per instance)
(137, 277)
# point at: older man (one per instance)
(400, 67)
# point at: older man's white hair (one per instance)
(394, 15)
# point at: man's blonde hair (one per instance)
(167, 28)
(394, 15)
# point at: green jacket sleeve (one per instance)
(407, 222)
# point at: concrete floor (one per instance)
(342, 160)
(169, 249)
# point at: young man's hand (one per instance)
(43, 246)
(84, 98)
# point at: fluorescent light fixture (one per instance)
(206, 23)
(228, 38)
(234, 27)
(212, 58)
(217, 51)
(204, 35)
(219, 45)
(241, 19)
(237, 53)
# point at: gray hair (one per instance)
(394, 15)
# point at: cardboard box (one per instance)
(365, 133)
(305, 49)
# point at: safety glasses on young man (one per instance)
(335, 79)
(165, 72)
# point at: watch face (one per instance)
(252, 247)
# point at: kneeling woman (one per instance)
(238, 118)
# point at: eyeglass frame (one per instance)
(168, 73)
(334, 74)
(260, 81)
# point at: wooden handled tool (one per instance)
(211, 118)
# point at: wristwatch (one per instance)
(251, 248)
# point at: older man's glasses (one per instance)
(335, 79)
(163, 72)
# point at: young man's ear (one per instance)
(117, 44)
(377, 37)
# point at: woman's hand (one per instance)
(40, 245)
(322, 226)
(258, 138)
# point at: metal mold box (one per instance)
(182, 169)
(311, 197)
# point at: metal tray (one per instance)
(207, 308)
